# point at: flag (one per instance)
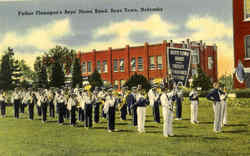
(240, 73)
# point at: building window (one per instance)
(121, 65)
(84, 67)
(116, 84)
(159, 62)
(89, 67)
(115, 65)
(247, 46)
(98, 66)
(151, 63)
(133, 64)
(140, 64)
(122, 82)
(195, 56)
(210, 63)
(105, 66)
(247, 9)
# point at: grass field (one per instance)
(22, 137)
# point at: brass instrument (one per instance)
(123, 101)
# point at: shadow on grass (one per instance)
(181, 127)
(235, 125)
(213, 138)
(155, 132)
(186, 119)
(150, 127)
(236, 131)
(52, 121)
(208, 122)
(125, 130)
(185, 136)
(149, 121)
(99, 128)
(121, 123)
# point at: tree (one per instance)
(95, 80)
(41, 74)
(202, 80)
(58, 77)
(6, 81)
(76, 74)
(58, 62)
(226, 81)
(136, 79)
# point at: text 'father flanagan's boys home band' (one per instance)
(87, 11)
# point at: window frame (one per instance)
(89, 67)
(159, 66)
(247, 46)
(105, 66)
(140, 64)
(115, 65)
(208, 62)
(122, 68)
(98, 66)
(84, 63)
(151, 66)
(133, 67)
(245, 11)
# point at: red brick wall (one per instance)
(144, 51)
(241, 29)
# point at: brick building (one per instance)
(241, 23)
(117, 65)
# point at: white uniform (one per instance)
(223, 109)
(194, 106)
(167, 111)
(71, 102)
(152, 97)
(141, 112)
(109, 102)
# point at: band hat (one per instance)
(134, 88)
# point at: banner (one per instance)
(179, 64)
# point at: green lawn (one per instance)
(22, 137)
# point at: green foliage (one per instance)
(242, 93)
(6, 81)
(41, 74)
(137, 79)
(58, 77)
(201, 80)
(226, 81)
(95, 80)
(76, 74)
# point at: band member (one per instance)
(214, 96)
(193, 97)
(16, 99)
(80, 100)
(109, 109)
(167, 102)
(51, 104)
(44, 105)
(71, 106)
(38, 104)
(88, 102)
(65, 110)
(141, 103)
(154, 102)
(223, 98)
(96, 105)
(102, 95)
(31, 103)
(23, 103)
(123, 104)
(3, 103)
(60, 100)
(132, 104)
(179, 99)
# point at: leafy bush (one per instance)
(242, 93)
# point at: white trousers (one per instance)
(224, 112)
(167, 123)
(217, 116)
(141, 116)
(194, 111)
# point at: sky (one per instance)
(30, 35)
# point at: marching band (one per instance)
(68, 103)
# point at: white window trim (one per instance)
(104, 66)
(245, 19)
(245, 48)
